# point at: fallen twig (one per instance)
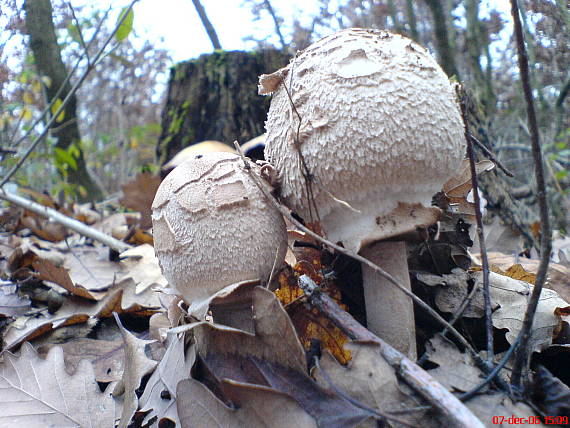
(456, 412)
(66, 221)
(522, 354)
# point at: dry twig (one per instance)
(522, 354)
(456, 413)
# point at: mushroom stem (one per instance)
(389, 312)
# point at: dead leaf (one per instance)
(73, 311)
(509, 298)
(553, 395)
(274, 358)
(495, 410)
(159, 397)
(138, 195)
(367, 378)
(136, 365)
(141, 264)
(259, 407)
(106, 356)
(38, 392)
(456, 189)
(49, 272)
(456, 370)
(90, 268)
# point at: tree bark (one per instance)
(444, 50)
(47, 56)
(207, 24)
(214, 97)
(412, 22)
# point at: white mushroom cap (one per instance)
(213, 227)
(380, 126)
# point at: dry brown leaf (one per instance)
(496, 409)
(259, 407)
(456, 370)
(59, 275)
(106, 356)
(174, 367)
(138, 195)
(136, 365)
(38, 393)
(458, 187)
(509, 298)
(272, 357)
(141, 265)
(140, 237)
(73, 311)
(558, 275)
(367, 378)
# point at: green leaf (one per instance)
(126, 27)
(561, 174)
(64, 157)
(73, 32)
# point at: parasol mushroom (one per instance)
(373, 120)
(213, 228)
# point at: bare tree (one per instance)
(207, 24)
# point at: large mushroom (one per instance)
(213, 228)
(372, 120)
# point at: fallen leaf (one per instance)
(37, 392)
(136, 365)
(456, 370)
(141, 264)
(259, 407)
(159, 396)
(553, 395)
(50, 272)
(274, 358)
(138, 195)
(106, 356)
(73, 311)
(367, 378)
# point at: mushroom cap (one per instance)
(380, 125)
(194, 149)
(213, 227)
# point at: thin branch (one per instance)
(81, 39)
(490, 155)
(64, 103)
(481, 236)
(437, 395)
(522, 354)
(66, 221)
(491, 376)
(207, 24)
(271, 11)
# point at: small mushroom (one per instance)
(213, 227)
(189, 152)
(379, 129)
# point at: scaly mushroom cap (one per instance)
(380, 130)
(213, 227)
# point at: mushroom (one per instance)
(189, 152)
(213, 227)
(376, 122)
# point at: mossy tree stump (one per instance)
(214, 97)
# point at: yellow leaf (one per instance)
(134, 143)
(518, 272)
(26, 113)
(28, 98)
(36, 86)
(46, 81)
(55, 107)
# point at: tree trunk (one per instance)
(214, 97)
(47, 56)
(444, 50)
(412, 21)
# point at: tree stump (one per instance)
(214, 97)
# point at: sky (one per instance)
(175, 25)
